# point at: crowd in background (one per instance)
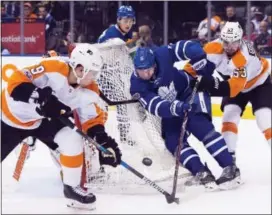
(187, 20)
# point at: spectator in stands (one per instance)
(202, 29)
(4, 14)
(263, 42)
(82, 38)
(28, 11)
(253, 34)
(12, 9)
(258, 17)
(50, 22)
(56, 42)
(69, 36)
(4, 51)
(145, 35)
(231, 15)
(268, 13)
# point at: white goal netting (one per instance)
(137, 132)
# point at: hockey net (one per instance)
(137, 132)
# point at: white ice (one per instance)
(40, 190)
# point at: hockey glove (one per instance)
(214, 86)
(202, 66)
(178, 108)
(98, 133)
(50, 106)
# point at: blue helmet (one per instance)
(144, 58)
(125, 11)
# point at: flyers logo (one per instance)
(6, 68)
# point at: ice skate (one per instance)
(230, 178)
(79, 198)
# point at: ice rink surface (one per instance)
(40, 189)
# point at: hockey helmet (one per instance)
(87, 56)
(125, 11)
(144, 58)
(231, 32)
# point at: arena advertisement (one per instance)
(34, 40)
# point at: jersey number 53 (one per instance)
(240, 73)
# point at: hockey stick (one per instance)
(24, 152)
(123, 102)
(183, 129)
(21, 161)
(168, 197)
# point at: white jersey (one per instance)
(247, 70)
(53, 73)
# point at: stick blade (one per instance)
(171, 199)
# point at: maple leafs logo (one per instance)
(168, 93)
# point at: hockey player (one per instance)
(31, 141)
(164, 91)
(248, 80)
(37, 95)
(123, 29)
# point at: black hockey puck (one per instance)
(147, 161)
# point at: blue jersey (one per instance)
(169, 83)
(114, 32)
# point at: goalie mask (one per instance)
(89, 58)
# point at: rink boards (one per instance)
(10, 63)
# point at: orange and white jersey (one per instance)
(215, 23)
(246, 69)
(53, 73)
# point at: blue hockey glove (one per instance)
(178, 108)
(202, 66)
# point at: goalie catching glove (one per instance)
(98, 133)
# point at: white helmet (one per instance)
(89, 57)
(231, 32)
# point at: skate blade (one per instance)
(80, 206)
(211, 187)
(231, 185)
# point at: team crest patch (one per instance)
(28, 74)
(168, 93)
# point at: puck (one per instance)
(147, 161)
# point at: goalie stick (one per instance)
(183, 130)
(168, 197)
